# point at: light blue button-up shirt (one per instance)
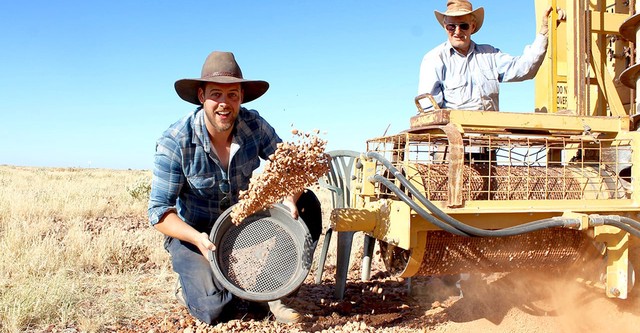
(471, 82)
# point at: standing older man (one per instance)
(463, 75)
(201, 163)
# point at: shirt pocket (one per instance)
(203, 185)
(246, 170)
(490, 84)
(454, 90)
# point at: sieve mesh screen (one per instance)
(259, 256)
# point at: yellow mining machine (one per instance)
(464, 191)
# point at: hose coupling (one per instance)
(596, 220)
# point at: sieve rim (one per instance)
(296, 229)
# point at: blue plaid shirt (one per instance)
(187, 172)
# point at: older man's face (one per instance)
(459, 29)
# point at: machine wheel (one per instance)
(395, 259)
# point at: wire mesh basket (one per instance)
(492, 167)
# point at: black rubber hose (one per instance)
(631, 222)
(430, 218)
(430, 206)
(467, 229)
(623, 223)
(623, 226)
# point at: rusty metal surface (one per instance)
(630, 76)
(437, 117)
(432, 100)
(456, 161)
(486, 121)
(546, 249)
(629, 27)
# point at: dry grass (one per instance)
(75, 249)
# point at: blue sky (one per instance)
(90, 83)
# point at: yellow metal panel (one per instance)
(563, 81)
(353, 219)
(606, 83)
(397, 233)
(568, 54)
(548, 74)
(417, 253)
(375, 219)
(617, 242)
(538, 121)
(363, 185)
(607, 23)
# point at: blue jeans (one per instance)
(204, 295)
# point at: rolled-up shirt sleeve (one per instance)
(167, 181)
(524, 67)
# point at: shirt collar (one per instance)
(452, 50)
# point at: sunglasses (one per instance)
(225, 202)
(451, 27)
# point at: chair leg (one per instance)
(323, 255)
(342, 261)
(369, 243)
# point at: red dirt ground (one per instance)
(515, 302)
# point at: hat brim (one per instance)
(187, 89)
(478, 13)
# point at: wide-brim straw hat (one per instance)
(461, 8)
(220, 67)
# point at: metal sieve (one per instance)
(266, 257)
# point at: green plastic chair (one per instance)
(338, 181)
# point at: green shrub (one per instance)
(141, 189)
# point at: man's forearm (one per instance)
(173, 226)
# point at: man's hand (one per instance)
(173, 226)
(544, 25)
(204, 244)
(290, 202)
